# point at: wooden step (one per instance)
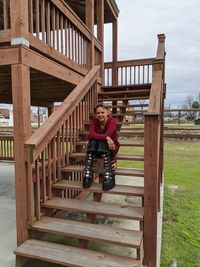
(122, 143)
(113, 210)
(118, 171)
(71, 256)
(97, 188)
(117, 98)
(122, 133)
(125, 93)
(126, 87)
(128, 105)
(88, 231)
(80, 155)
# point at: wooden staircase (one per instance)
(72, 226)
(89, 229)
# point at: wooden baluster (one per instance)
(54, 26)
(53, 144)
(58, 155)
(67, 141)
(30, 15)
(48, 20)
(58, 30)
(49, 172)
(61, 35)
(37, 18)
(37, 190)
(43, 176)
(66, 37)
(43, 20)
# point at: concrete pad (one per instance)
(7, 215)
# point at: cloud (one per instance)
(140, 22)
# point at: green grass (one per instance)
(181, 222)
(181, 226)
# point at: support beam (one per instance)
(89, 17)
(22, 131)
(115, 52)
(100, 32)
(43, 64)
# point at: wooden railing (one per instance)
(129, 72)
(5, 15)
(6, 148)
(153, 156)
(55, 24)
(48, 149)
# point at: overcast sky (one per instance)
(139, 23)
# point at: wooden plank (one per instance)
(5, 36)
(123, 98)
(122, 143)
(128, 63)
(41, 63)
(81, 155)
(97, 188)
(113, 210)
(125, 92)
(88, 231)
(118, 171)
(124, 133)
(71, 256)
(9, 56)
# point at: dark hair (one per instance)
(100, 105)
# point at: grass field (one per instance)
(181, 226)
(181, 222)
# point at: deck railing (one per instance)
(129, 72)
(6, 148)
(49, 148)
(54, 28)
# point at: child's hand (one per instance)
(110, 142)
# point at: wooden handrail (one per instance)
(127, 63)
(48, 130)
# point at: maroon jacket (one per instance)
(97, 133)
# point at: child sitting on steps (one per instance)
(102, 143)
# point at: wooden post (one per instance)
(100, 32)
(115, 52)
(89, 15)
(151, 147)
(22, 131)
(19, 22)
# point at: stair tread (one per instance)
(123, 133)
(118, 171)
(117, 98)
(133, 86)
(97, 188)
(122, 143)
(136, 91)
(71, 256)
(119, 156)
(113, 210)
(128, 105)
(89, 231)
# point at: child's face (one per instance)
(101, 114)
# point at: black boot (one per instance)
(109, 176)
(88, 174)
